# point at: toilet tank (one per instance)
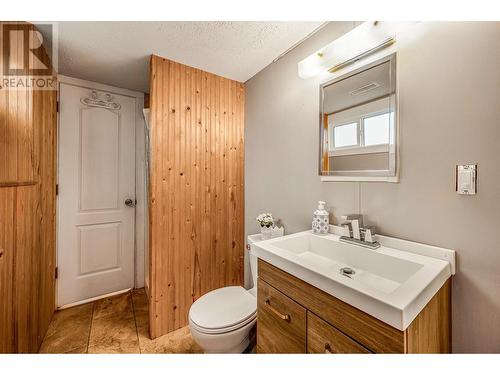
(253, 238)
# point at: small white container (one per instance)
(266, 232)
(321, 220)
(271, 232)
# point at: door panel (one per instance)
(97, 175)
(100, 159)
(99, 247)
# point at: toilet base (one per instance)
(229, 342)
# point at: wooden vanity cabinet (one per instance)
(296, 317)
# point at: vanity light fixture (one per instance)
(364, 40)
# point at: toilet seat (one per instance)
(250, 320)
(223, 310)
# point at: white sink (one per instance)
(392, 283)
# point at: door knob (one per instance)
(130, 203)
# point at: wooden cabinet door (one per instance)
(324, 338)
(281, 322)
(7, 206)
(16, 114)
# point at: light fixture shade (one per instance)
(361, 41)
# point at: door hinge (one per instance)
(57, 189)
(57, 106)
(57, 272)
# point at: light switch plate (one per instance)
(466, 179)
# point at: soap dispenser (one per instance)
(321, 221)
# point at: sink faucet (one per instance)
(356, 233)
(352, 225)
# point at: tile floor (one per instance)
(117, 324)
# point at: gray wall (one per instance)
(449, 80)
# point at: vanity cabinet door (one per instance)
(324, 338)
(281, 322)
(7, 208)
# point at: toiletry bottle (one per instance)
(321, 220)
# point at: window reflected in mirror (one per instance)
(358, 124)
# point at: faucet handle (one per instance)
(352, 217)
(347, 229)
(369, 232)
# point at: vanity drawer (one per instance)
(281, 322)
(324, 338)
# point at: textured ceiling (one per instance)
(117, 53)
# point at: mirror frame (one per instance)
(387, 175)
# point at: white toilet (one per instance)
(221, 321)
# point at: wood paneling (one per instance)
(430, 332)
(45, 117)
(367, 330)
(196, 189)
(322, 338)
(281, 322)
(27, 198)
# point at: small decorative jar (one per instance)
(266, 232)
(266, 222)
(321, 220)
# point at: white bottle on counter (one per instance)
(321, 220)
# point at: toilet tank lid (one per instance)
(253, 238)
(224, 307)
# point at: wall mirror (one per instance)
(358, 124)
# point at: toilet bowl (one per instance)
(222, 320)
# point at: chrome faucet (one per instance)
(356, 233)
(352, 225)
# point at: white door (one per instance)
(96, 177)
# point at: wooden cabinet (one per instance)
(7, 205)
(325, 338)
(282, 320)
(27, 212)
(334, 326)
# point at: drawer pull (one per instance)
(1, 252)
(328, 349)
(276, 312)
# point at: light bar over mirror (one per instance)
(364, 40)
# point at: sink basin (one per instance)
(392, 283)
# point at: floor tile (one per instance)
(82, 350)
(179, 341)
(69, 330)
(141, 312)
(117, 306)
(110, 335)
(113, 326)
(118, 324)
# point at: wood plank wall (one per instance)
(196, 189)
(28, 126)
